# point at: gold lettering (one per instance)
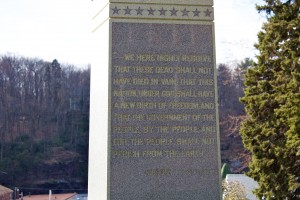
(187, 93)
(162, 105)
(124, 93)
(193, 129)
(184, 129)
(138, 117)
(137, 93)
(136, 141)
(154, 81)
(188, 81)
(164, 117)
(140, 81)
(121, 81)
(122, 117)
(195, 141)
(119, 142)
(205, 70)
(125, 154)
(209, 141)
(129, 57)
(148, 93)
(135, 105)
(183, 153)
(196, 58)
(168, 58)
(206, 82)
(188, 105)
(124, 105)
(145, 57)
(208, 129)
(163, 129)
(154, 153)
(205, 94)
(148, 70)
(168, 81)
(158, 141)
(186, 70)
(156, 98)
(148, 129)
(167, 117)
(164, 70)
(122, 69)
(205, 117)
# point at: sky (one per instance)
(61, 29)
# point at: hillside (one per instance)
(232, 114)
(44, 125)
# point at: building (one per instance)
(5, 193)
(69, 196)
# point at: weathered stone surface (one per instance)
(164, 141)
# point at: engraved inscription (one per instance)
(163, 125)
(144, 70)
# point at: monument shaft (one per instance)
(163, 119)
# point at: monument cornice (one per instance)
(162, 12)
(173, 2)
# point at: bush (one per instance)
(234, 190)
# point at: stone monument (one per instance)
(162, 132)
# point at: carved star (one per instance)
(139, 11)
(127, 11)
(162, 11)
(173, 12)
(185, 12)
(115, 10)
(207, 13)
(196, 13)
(151, 11)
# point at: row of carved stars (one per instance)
(162, 11)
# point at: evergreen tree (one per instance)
(272, 101)
(239, 73)
(224, 80)
(238, 82)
